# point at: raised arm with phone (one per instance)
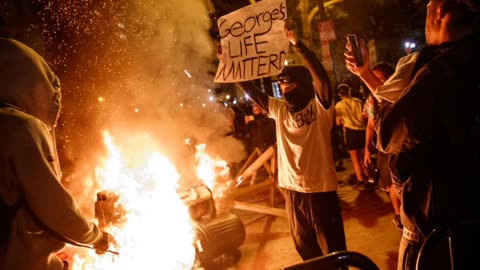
(360, 67)
(357, 54)
(430, 132)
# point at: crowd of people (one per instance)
(356, 118)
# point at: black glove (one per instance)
(101, 246)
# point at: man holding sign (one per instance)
(306, 171)
(253, 42)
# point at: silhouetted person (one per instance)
(38, 216)
(261, 129)
(429, 126)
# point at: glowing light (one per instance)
(136, 110)
(181, 105)
(101, 99)
(286, 62)
(204, 105)
(227, 97)
(410, 45)
(145, 184)
(207, 168)
(188, 74)
(211, 98)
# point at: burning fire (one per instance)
(156, 231)
(210, 171)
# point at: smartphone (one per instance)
(357, 53)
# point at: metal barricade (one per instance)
(336, 260)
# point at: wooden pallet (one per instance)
(253, 184)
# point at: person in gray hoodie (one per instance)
(38, 216)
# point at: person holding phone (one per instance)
(429, 127)
(355, 49)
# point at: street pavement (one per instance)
(369, 230)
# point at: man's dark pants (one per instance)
(316, 222)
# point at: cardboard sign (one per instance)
(253, 42)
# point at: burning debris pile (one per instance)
(154, 222)
(215, 234)
(142, 65)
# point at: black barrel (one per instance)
(223, 234)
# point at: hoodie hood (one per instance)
(299, 98)
(28, 83)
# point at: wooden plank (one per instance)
(254, 155)
(260, 209)
(259, 162)
(255, 188)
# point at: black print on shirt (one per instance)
(306, 116)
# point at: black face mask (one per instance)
(299, 98)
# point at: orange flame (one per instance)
(157, 232)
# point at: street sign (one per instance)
(327, 31)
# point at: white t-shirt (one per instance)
(394, 86)
(305, 161)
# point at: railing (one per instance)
(454, 247)
(336, 260)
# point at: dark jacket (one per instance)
(261, 133)
(432, 134)
(36, 207)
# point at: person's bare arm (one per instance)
(368, 140)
